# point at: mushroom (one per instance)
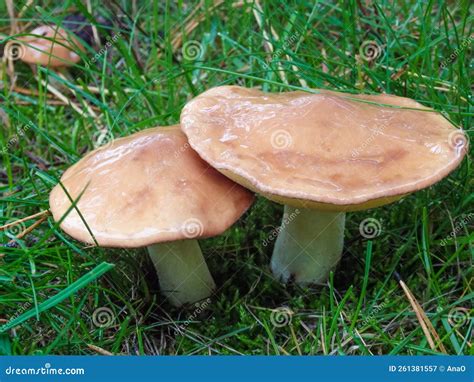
(47, 45)
(152, 190)
(320, 154)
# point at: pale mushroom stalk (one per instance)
(182, 271)
(309, 245)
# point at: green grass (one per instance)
(362, 310)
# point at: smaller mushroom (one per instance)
(151, 190)
(47, 45)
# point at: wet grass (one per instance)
(421, 50)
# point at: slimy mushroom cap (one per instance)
(326, 150)
(146, 188)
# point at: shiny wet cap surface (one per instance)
(336, 150)
(147, 188)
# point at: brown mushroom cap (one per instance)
(49, 46)
(147, 188)
(330, 151)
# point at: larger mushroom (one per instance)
(151, 190)
(321, 155)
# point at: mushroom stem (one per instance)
(308, 246)
(182, 271)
